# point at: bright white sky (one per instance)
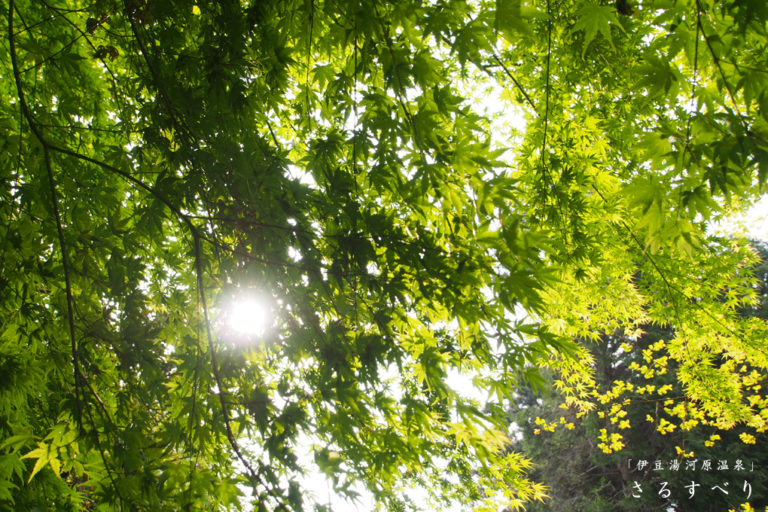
(752, 224)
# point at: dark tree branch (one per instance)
(695, 80)
(547, 89)
(215, 366)
(727, 85)
(517, 84)
(57, 214)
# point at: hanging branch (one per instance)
(667, 284)
(193, 424)
(544, 160)
(487, 70)
(197, 237)
(695, 81)
(354, 151)
(179, 123)
(79, 378)
(103, 455)
(546, 106)
(57, 214)
(715, 57)
(181, 128)
(720, 71)
(51, 56)
(400, 89)
(215, 366)
(309, 57)
(47, 148)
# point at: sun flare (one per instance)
(247, 316)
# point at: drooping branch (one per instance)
(695, 81)
(56, 212)
(48, 147)
(215, 366)
(716, 58)
(547, 88)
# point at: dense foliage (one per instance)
(161, 157)
(714, 470)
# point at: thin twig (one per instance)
(53, 55)
(33, 25)
(193, 423)
(400, 89)
(93, 47)
(103, 454)
(670, 288)
(517, 84)
(542, 155)
(85, 128)
(272, 133)
(720, 70)
(181, 127)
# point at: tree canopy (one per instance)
(581, 473)
(162, 159)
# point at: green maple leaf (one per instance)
(594, 19)
(510, 19)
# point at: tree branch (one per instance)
(517, 84)
(57, 214)
(215, 366)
